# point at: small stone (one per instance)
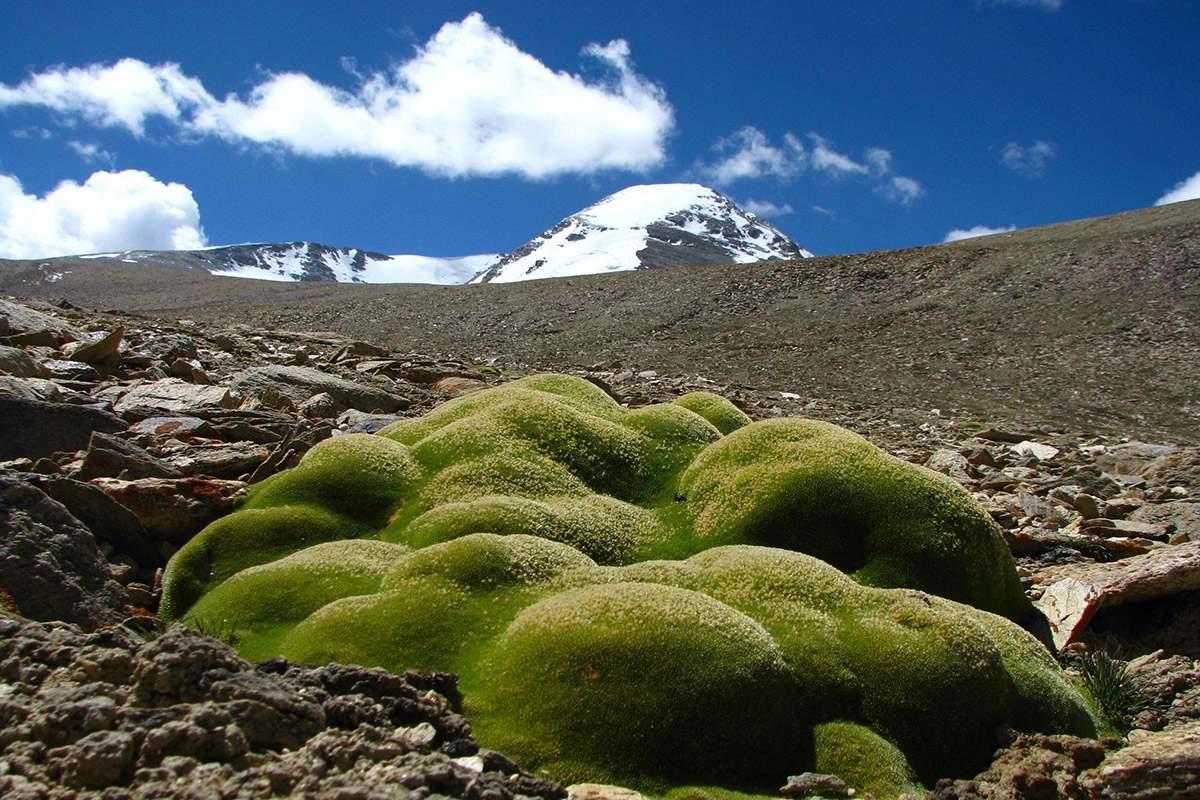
(810, 784)
(1042, 452)
(601, 791)
(457, 386)
(319, 406)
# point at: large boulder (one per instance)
(50, 564)
(658, 597)
(300, 383)
(33, 429)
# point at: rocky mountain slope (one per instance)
(642, 227)
(123, 435)
(293, 261)
(646, 227)
(1089, 325)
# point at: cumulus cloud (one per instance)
(749, 154)
(765, 208)
(469, 102)
(127, 210)
(1188, 189)
(979, 230)
(1029, 161)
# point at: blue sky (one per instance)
(450, 128)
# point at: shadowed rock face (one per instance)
(658, 597)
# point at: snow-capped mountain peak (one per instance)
(647, 227)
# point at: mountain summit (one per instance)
(646, 227)
(642, 227)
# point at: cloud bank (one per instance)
(1188, 189)
(470, 102)
(749, 154)
(979, 230)
(110, 211)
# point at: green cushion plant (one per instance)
(665, 597)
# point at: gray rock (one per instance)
(112, 457)
(49, 562)
(952, 463)
(17, 319)
(319, 406)
(32, 429)
(70, 370)
(300, 383)
(174, 427)
(1183, 519)
(34, 389)
(108, 520)
(1163, 764)
(225, 460)
(17, 362)
(98, 759)
(172, 396)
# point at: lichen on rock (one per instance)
(660, 597)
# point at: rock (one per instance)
(1042, 452)
(41, 338)
(1000, 435)
(1075, 592)
(319, 406)
(172, 396)
(1032, 767)
(812, 784)
(1163, 764)
(50, 564)
(101, 350)
(182, 716)
(17, 319)
(98, 759)
(455, 386)
(168, 348)
(173, 509)
(16, 362)
(175, 427)
(226, 460)
(601, 791)
(300, 383)
(64, 370)
(1131, 458)
(1123, 527)
(1177, 517)
(32, 429)
(360, 350)
(112, 457)
(109, 520)
(360, 422)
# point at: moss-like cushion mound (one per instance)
(663, 597)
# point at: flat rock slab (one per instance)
(18, 319)
(300, 383)
(1178, 518)
(1162, 764)
(33, 429)
(173, 509)
(1075, 592)
(172, 396)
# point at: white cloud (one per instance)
(470, 102)
(1029, 161)
(901, 189)
(979, 230)
(92, 153)
(765, 208)
(1188, 189)
(825, 159)
(124, 95)
(749, 154)
(127, 210)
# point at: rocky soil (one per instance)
(122, 435)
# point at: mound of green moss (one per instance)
(662, 597)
